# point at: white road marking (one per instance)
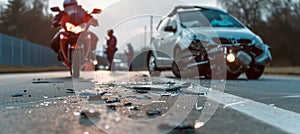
(280, 118)
(290, 96)
(232, 104)
(283, 119)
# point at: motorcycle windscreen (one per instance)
(76, 14)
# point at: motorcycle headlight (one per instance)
(75, 29)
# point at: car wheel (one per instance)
(232, 76)
(175, 67)
(176, 70)
(255, 72)
(152, 68)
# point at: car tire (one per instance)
(151, 64)
(176, 70)
(255, 72)
(232, 76)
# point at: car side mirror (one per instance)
(96, 11)
(55, 9)
(170, 29)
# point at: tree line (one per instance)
(276, 21)
(28, 20)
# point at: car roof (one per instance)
(181, 8)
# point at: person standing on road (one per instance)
(129, 54)
(111, 42)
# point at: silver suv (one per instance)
(195, 28)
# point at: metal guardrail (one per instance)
(17, 52)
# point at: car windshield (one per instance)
(207, 18)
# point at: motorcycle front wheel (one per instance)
(76, 58)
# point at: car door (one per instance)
(168, 42)
(158, 41)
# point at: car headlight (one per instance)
(230, 58)
(75, 29)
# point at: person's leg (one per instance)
(64, 50)
(55, 43)
(110, 59)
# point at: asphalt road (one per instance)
(53, 103)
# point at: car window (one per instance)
(207, 18)
(172, 23)
(162, 24)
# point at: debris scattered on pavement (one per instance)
(141, 91)
(203, 94)
(133, 108)
(198, 124)
(166, 94)
(17, 95)
(112, 107)
(178, 128)
(95, 98)
(106, 126)
(169, 94)
(153, 112)
(184, 126)
(168, 87)
(118, 119)
(102, 93)
(86, 95)
(77, 114)
(70, 91)
(173, 88)
(272, 105)
(86, 132)
(198, 108)
(44, 81)
(113, 101)
(89, 114)
(127, 98)
(143, 97)
(128, 104)
(159, 101)
(171, 82)
(40, 82)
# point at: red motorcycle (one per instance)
(75, 38)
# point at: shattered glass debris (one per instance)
(17, 95)
(153, 112)
(113, 101)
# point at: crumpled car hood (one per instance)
(229, 33)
